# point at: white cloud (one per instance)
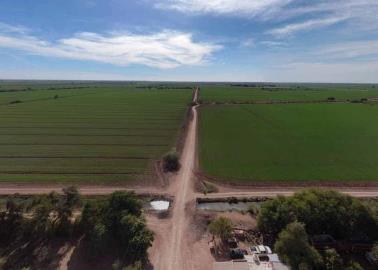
(62, 75)
(365, 72)
(196, 75)
(166, 49)
(7, 28)
(353, 61)
(354, 49)
(361, 14)
(249, 43)
(228, 7)
(290, 29)
(273, 43)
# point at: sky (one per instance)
(190, 40)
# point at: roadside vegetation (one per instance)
(33, 229)
(171, 162)
(221, 228)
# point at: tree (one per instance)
(332, 260)
(52, 213)
(71, 197)
(11, 220)
(136, 266)
(63, 209)
(90, 216)
(275, 214)
(330, 212)
(120, 204)
(117, 221)
(134, 236)
(293, 248)
(354, 266)
(221, 227)
(98, 238)
(171, 162)
(375, 250)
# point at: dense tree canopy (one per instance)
(114, 224)
(322, 212)
(117, 222)
(293, 248)
(48, 215)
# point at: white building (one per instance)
(253, 262)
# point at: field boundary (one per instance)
(184, 127)
(272, 102)
(237, 183)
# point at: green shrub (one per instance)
(253, 210)
(221, 227)
(354, 266)
(332, 260)
(171, 162)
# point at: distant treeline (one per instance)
(163, 87)
(252, 85)
(50, 88)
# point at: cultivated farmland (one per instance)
(288, 143)
(100, 133)
(303, 92)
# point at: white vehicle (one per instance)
(260, 249)
(371, 258)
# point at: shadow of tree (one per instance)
(41, 254)
(81, 260)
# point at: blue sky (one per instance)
(190, 40)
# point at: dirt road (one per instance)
(287, 192)
(183, 195)
(176, 252)
(34, 189)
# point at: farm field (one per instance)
(310, 92)
(98, 134)
(288, 143)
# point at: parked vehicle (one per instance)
(237, 253)
(260, 249)
(371, 258)
(232, 242)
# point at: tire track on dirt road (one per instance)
(184, 195)
(172, 250)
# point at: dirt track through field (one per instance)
(174, 252)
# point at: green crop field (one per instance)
(306, 92)
(101, 133)
(290, 142)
